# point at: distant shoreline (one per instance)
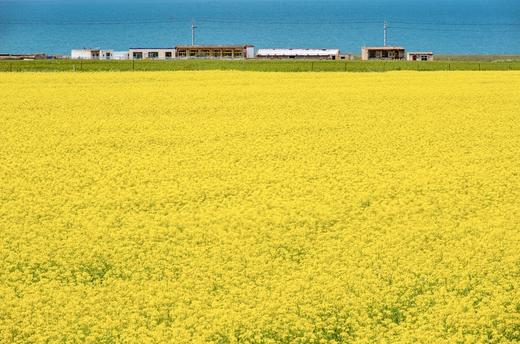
(438, 57)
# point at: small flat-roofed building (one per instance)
(215, 51)
(348, 57)
(151, 53)
(291, 53)
(383, 53)
(420, 56)
(91, 54)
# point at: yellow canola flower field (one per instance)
(229, 207)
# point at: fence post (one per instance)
(133, 64)
(81, 64)
(345, 66)
(449, 66)
(11, 67)
(479, 68)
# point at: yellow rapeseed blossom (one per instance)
(230, 207)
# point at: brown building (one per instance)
(383, 53)
(23, 56)
(215, 51)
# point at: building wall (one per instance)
(215, 52)
(398, 54)
(364, 54)
(311, 54)
(91, 54)
(347, 57)
(84, 54)
(145, 52)
(120, 55)
(300, 57)
(250, 52)
(105, 54)
(419, 57)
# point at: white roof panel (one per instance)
(297, 52)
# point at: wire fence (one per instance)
(253, 65)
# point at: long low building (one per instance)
(181, 52)
(215, 51)
(299, 53)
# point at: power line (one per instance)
(402, 25)
(454, 24)
(449, 30)
(283, 22)
(80, 23)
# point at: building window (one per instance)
(424, 58)
(153, 54)
(137, 55)
(372, 54)
(168, 54)
(181, 53)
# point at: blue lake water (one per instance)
(454, 26)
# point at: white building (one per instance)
(151, 53)
(324, 54)
(120, 55)
(91, 54)
(420, 56)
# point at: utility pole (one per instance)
(385, 38)
(193, 27)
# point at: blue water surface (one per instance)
(455, 26)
